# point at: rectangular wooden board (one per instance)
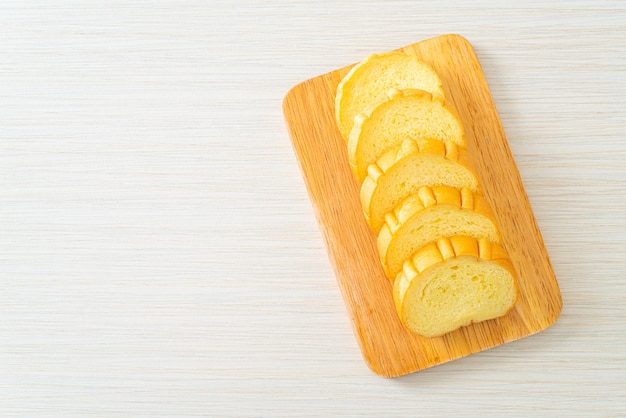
(388, 348)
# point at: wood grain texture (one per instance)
(388, 348)
(159, 255)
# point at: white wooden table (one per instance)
(158, 252)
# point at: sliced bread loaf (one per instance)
(369, 81)
(428, 215)
(452, 283)
(407, 114)
(401, 171)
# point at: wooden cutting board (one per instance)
(388, 348)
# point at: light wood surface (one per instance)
(387, 347)
(159, 254)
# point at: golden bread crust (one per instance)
(408, 149)
(427, 197)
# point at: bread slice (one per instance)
(428, 215)
(401, 171)
(369, 81)
(452, 283)
(407, 114)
